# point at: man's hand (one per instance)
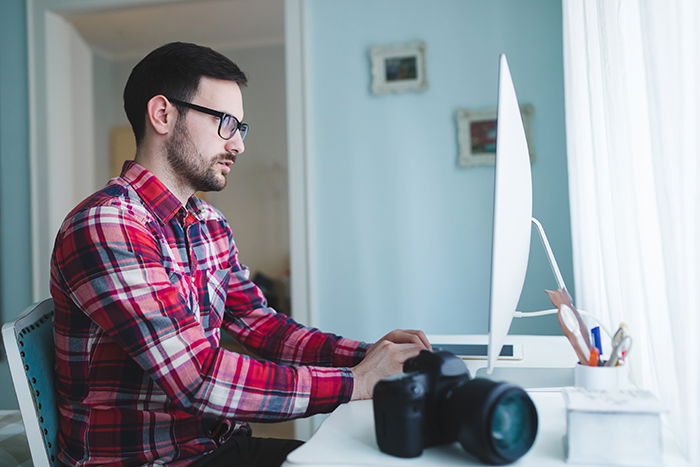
(385, 358)
(405, 336)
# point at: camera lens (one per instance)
(496, 422)
(511, 425)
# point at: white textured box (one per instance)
(613, 428)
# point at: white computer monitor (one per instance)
(512, 214)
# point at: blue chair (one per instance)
(30, 353)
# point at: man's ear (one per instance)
(161, 114)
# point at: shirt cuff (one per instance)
(349, 352)
(330, 387)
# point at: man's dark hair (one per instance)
(173, 70)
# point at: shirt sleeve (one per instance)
(111, 267)
(275, 336)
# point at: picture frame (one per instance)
(398, 68)
(476, 133)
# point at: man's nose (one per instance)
(235, 144)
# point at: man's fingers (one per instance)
(423, 338)
(407, 350)
(400, 336)
(386, 359)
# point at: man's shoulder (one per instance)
(116, 197)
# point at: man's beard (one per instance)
(189, 164)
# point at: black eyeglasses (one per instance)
(228, 124)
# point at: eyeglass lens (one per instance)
(229, 125)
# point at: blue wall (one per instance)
(401, 233)
(15, 244)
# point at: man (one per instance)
(145, 276)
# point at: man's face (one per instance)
(195, 151)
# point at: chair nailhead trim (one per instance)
(46, 318)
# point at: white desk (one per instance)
(346, 438)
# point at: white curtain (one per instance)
(632, 79)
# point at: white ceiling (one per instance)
(132, 32)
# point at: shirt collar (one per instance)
(155, 194)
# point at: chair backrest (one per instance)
(29, 345)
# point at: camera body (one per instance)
(406, 405)
(435, 402)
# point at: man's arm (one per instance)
(111, 267)
(279, 338)
(275, 336)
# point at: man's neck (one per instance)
(159, 167)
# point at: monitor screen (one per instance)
(512, 214)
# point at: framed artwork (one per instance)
(398, 68)
(476, 133)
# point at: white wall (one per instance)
(63, 152)
(108, 79)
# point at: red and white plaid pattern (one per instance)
(143, 286)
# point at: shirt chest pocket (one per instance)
(182, 282)
(214, 286)
(204, 293)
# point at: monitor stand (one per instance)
(550, 254)
(514, 351)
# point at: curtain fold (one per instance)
(631, 72)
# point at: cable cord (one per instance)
(534, 314)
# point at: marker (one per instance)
(595, 332)
(593, 358)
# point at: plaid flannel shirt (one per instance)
(142, 286)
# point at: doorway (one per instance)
(81, 60)
(88, 55)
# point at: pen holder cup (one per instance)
(601, 378)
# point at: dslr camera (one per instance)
(435, 401)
